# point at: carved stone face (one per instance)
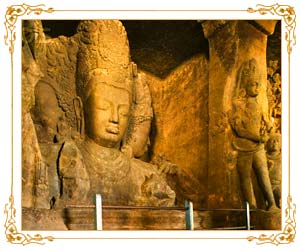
(252, 88)
(47, 106)
(106, 114)
(274, 144)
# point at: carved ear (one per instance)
(78, 107)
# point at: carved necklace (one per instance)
(102, 161)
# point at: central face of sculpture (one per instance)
(106, 113)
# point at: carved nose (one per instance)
(114, 117)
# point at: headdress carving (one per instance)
(103, 53)
(249, 71)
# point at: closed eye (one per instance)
(103, 105)
(123, 110)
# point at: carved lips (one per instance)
(112, 129)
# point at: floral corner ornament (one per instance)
(12, 14)
(13, 235)
(289, 16)
(288, 234)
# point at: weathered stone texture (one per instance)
(42, 219)
(180, 126)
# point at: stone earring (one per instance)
(78, 108)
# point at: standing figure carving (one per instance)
(273, 148)
(251, 126)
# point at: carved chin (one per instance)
(112, 137)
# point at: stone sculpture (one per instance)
(113, 110)
(46, 112)
(274, 94)
(251, 127)
(103, 109)
(273, 148)
(35, 181)
(112, 113)
(32, 183)
(49, 119)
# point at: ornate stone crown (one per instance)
(103, 53)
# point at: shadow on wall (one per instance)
(159, 46)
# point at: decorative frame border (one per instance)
(287, 236)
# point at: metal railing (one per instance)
(188, 208)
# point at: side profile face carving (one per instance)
(46, 112)
(47, 105)
(106, 113)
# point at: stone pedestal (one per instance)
(131, 219)
(136, 219)
(146, 219)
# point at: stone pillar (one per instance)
(230, 44)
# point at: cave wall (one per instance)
(180, 125)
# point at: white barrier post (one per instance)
(189, 215)
(247, 212)
(98, 212)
